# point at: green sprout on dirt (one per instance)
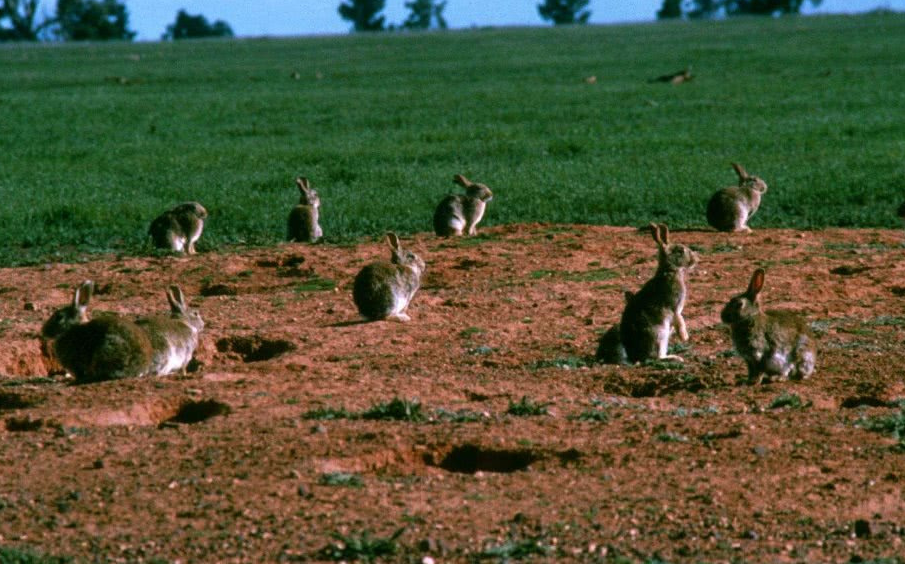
(514, 549)
(328, 413)
(527, 408)
(791, 401)
(345, 479)
(893, 425)
(459, 416)
(565, 363)
(362, 547)
(12, 555)
(315, 284)
(397, 410)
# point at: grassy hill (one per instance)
(97, 139)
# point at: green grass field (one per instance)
(96, 140)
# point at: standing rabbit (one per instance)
(179, 228)
(383, 290)
(457, 214)
(730, 209)
(173, 337)
(650, 315)
(105, 348)
(303, 225)
(773, 343)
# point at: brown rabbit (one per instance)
(179, 229)
(303, 225)
(383, 290)
(457, 214)
(609, 346)
(730, 209)
(773, 343)
(651, 313)
(105, 348)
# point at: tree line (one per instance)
(100, 20)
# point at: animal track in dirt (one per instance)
(661, 384)
(469, 458)
(208, 290)
(254, 348)
(192, 412)
(863, 401)
(23, 424)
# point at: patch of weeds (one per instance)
(885, 321)
(515, 549)
(481, 350)
(695, 412)
(566, 363)
(527, 408)
(470, 331)
(27, 382)
(328, 413)
(724, 248)
(852, 345)
(397, 410)
(479, 239)
(669, 437)
(599, 415)
(791, 401)
(362, 547)
(679, 348)
(315, 284)
(729, 353)
(12, 555)
(459, 416)
(893, 425)
(344, 479)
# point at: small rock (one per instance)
(30, 306)
(318, 429)
(761, 450)
(98, 464)
(301, 491)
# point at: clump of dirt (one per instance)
(254, 348)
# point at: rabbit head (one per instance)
(746, 181)
(747, 304)
(73, 314)
(671, 256)
(180, 310)
(404, 257)
(307, 195)
(474, 190)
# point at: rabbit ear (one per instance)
(303, 183)
(82, 295)
(664, 233)
(740, 171)
(756, 284)
(176, 299)
(393, 241)
(655, 233)
(462, 181)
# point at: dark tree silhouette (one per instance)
(93, 20)
(423, 12)
(670, 9)
(700, 9)
(187, 27)
(563, 12)
(18, 20)
(363, 14)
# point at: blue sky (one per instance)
(308, 17)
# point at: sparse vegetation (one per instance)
(790, 401)
(361, 547)
(11, 555)
(893, 425)
(526, 407)
(344, 479)
(396, 409)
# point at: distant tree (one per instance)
(670, 9)
(423, 12)
(702, 9)
(564, 12)
(18, 20)
(93, 20)
(363, 14)
(188, 27)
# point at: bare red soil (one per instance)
(682, 462)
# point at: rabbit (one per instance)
(104, 348)
(650, 315)
(773, 343)
(457, 214)
(730, 209)
(173, 337)
(383, 290)
(179, 228)
(303, 223)
(609, 347)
